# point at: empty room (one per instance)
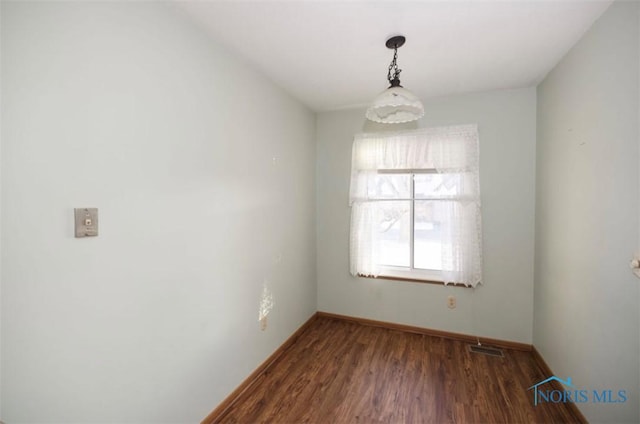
(319, 211)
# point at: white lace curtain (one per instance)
(452, 151)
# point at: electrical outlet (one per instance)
(451, 302)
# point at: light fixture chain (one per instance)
(394, 67)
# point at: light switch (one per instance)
(86, 220)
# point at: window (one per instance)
(411, 224)
(416, 205)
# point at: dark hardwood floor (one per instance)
(344, 372)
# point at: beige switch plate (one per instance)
(86, 222)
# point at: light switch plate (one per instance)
(86, 222)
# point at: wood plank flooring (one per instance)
(343, 372)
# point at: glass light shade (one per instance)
(395, 105)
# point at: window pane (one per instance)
(395, 229)
(438, 185)
(427, 241)
(390, 186)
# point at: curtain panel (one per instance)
(453, 153)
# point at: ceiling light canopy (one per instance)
(396, 104)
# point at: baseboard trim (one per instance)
(431, 332)
(542, 364)
(221, 410)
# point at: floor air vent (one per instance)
(491, 351)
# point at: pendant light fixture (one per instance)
(396, 104)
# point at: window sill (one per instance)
(414, 280)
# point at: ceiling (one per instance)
(331, 54)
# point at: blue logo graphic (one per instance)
(572, 395)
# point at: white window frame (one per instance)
(410, 272)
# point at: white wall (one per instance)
(500, 308)
(129, 108)
(586, 299)
(0, 216)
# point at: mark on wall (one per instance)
(266, 305)
(635, 264)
